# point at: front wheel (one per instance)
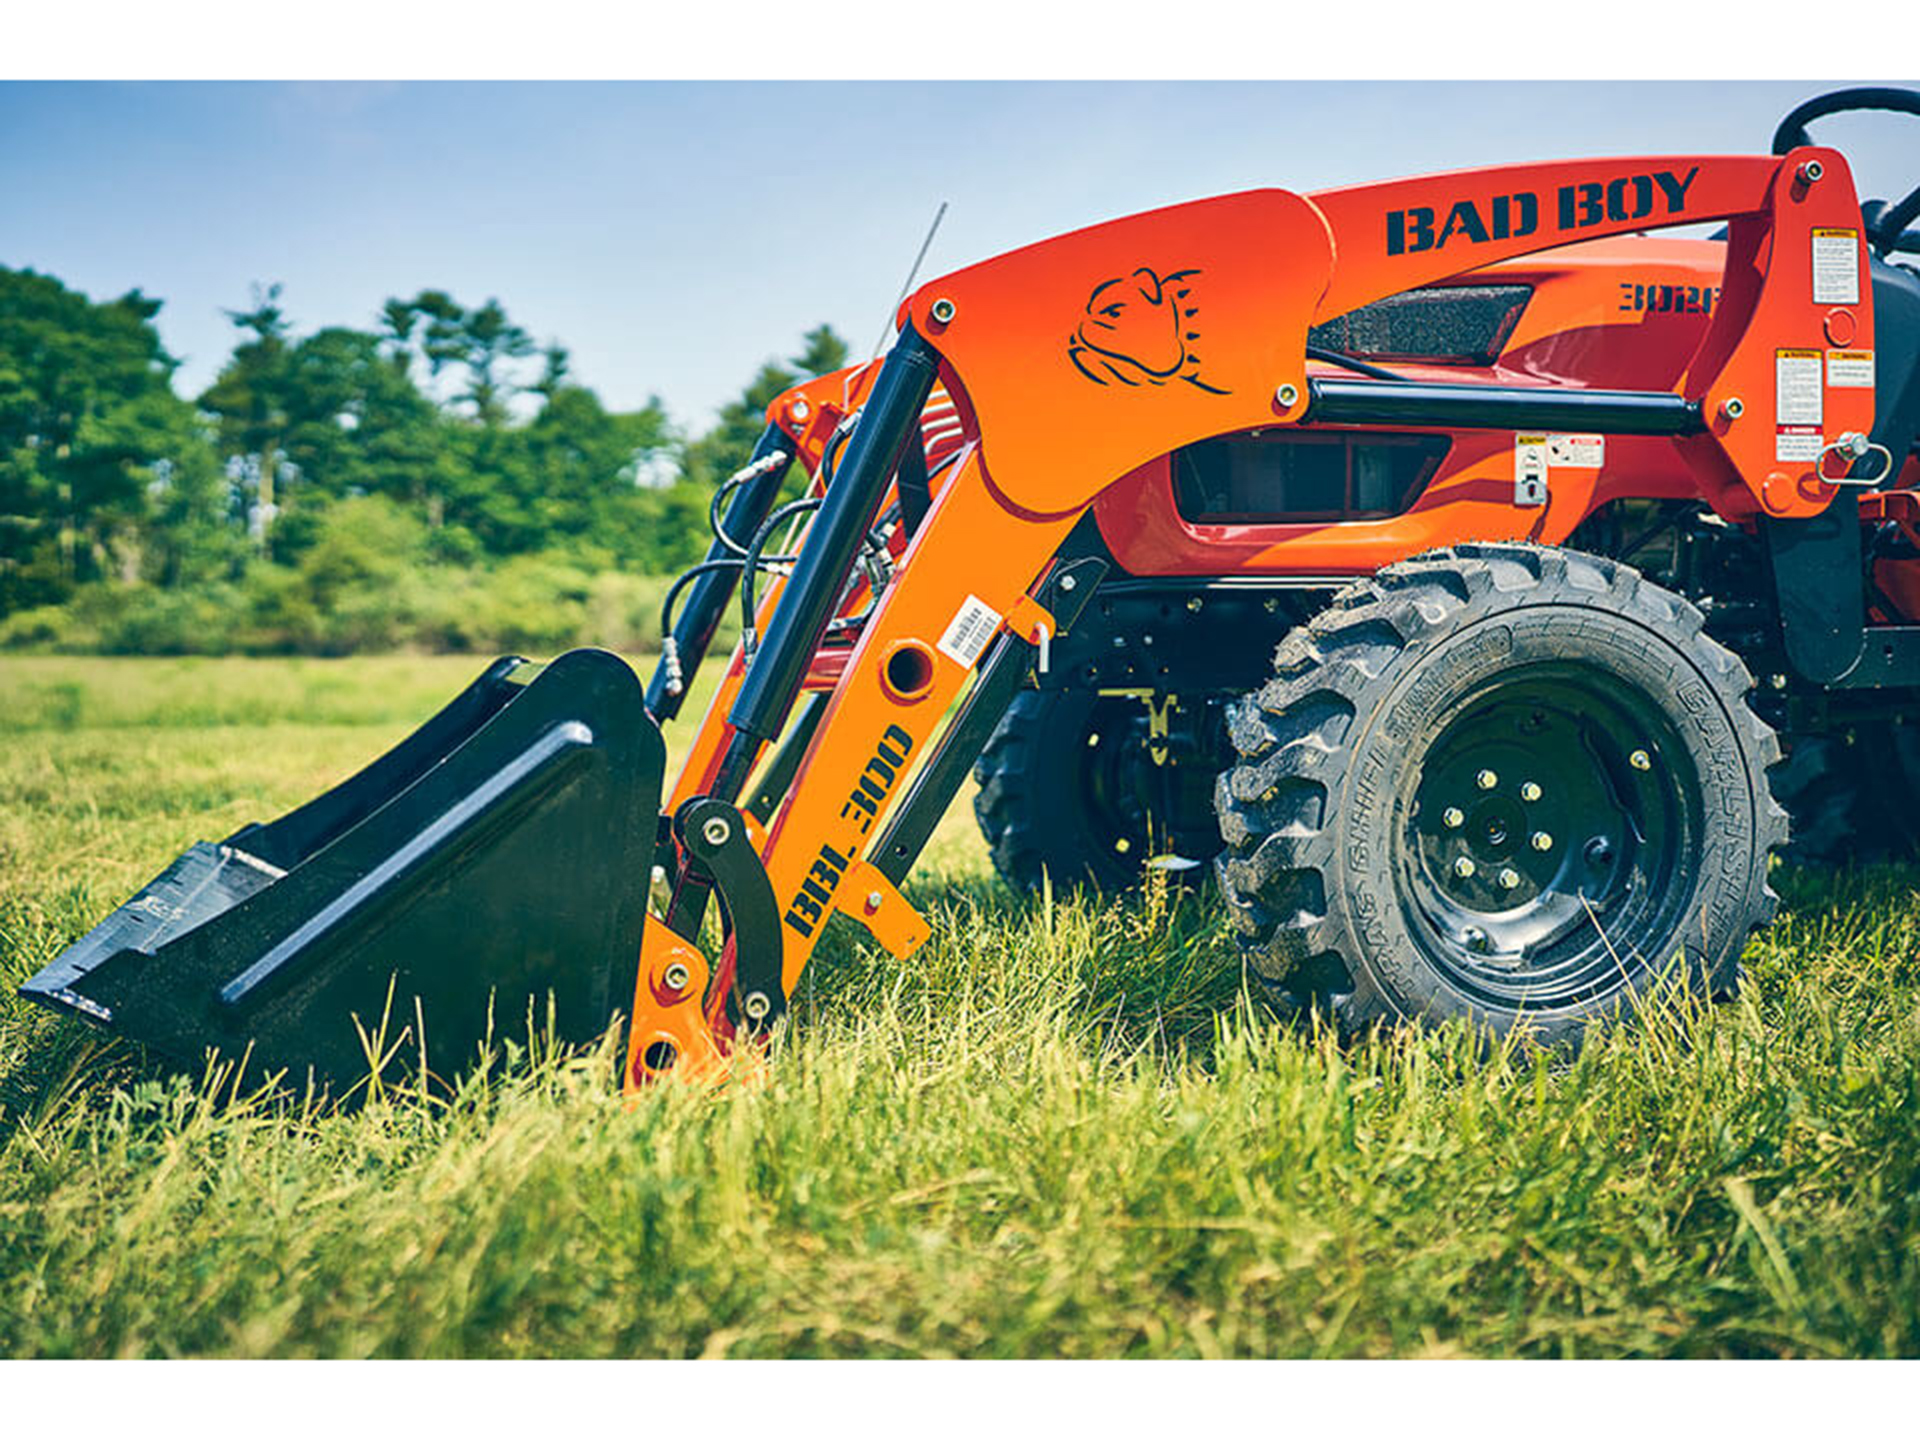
(1505, 783)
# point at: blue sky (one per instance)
(674, 235)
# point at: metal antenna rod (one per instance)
(886, 327)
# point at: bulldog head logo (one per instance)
(1139, 329)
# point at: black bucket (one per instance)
(492, 865)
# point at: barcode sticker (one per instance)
(972, 627)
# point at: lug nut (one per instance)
(1486, 779)
(1542, 840)
(716, 832)
(1640, 760)
(1452, 818)
(1509, 879)
(676, 977)
(1529, 791)
(1463, 867)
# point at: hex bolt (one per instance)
(1068, 583)
(756, 1006)
(1733, 407)
(1486, 779)
(1288, 396)
(716, 832)
(1476, 939)
(1194, 603)
(1810, 171)
(1509, 879)
(1640, 760)
(1463, 867)
(1542, 841)
(1529, 791)
(874, 899)
(942, 310)
(1779, 682)
(1452, 817)
(676, 977)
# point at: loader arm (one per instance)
(488, 876)
(1076, 360)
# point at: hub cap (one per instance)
(1542, 839)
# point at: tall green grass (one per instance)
(1065, 1128)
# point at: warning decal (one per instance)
(1529, 469)
(1850, 369)
(1798, 394)
(1836, 267)
(1582, 452)
(972, 626)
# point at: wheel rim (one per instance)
(1543, 839)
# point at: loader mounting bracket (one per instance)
(1816, 582)
(1817, 587)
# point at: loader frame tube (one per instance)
(1500, 407)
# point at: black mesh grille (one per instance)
(1288, 475)
(1454, 324)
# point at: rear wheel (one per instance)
(1854, 796)
(1068, 789)
(1502, 782)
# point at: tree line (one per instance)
(441, 481)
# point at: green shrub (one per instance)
(368, 577)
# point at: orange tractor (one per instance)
(1408, 550)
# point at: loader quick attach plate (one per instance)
(487, 873)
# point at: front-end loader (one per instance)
(1409, 550)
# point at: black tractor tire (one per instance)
(1854, 798)
(1059, 795)
(1553, 719)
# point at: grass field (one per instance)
(1063, 1130)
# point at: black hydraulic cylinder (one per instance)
(709, 595)
(1333, 401)
(889, 420)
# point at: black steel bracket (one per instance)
(713, 836)
(1817, 589)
